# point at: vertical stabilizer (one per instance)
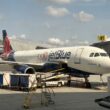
(7, 49)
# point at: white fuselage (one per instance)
(75, 57)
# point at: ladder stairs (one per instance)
(47, 95)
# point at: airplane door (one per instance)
(77, 57)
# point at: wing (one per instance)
(20, 63)
(22, 67)
(35, 65)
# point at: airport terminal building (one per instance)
(103, 45)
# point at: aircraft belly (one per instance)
(95, 69)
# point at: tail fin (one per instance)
(6, 43)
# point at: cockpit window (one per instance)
(96, 55)
(91, 55)
(104, 54)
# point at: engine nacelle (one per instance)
(24, 69)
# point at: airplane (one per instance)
(79, 61)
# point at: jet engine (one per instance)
(24, 69)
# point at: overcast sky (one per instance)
(55, 20)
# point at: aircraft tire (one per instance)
(59, 84)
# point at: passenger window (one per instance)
(91, 55)
(96, 55)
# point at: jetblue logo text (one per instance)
(60, 54)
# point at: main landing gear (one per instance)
(87, 83)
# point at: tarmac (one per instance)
(66, 98)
